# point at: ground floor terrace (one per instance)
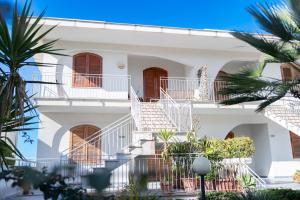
(276, 147)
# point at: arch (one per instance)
(231, 67)
(88, 153)
(87, 70)
(151, 77)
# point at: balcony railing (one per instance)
(82, 86)
(180, 88)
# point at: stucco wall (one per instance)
(262, 157)
(215, 60)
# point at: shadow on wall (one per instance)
(262, 159)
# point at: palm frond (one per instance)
(295, 11)
(274, 19)
(278, 51)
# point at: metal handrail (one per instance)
(179, 114)
(98, 136)
(103, 130)
(254, 175)
(135, 108)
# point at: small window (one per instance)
(295, 142)
(87, 70)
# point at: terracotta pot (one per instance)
(210, 185)
(166, 186)
(189, 184)
(228, 185)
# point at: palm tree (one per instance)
(20, 41)
(282, 22)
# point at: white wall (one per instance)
(214, 59)
(137, 64)
(54, 129)
(283, 163)
(262, 157)
(114, 83)
(220, 125)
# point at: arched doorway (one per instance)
(90, 153)
(87, 70)
(152, 82)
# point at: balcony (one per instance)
(81, 86)
(181, 88)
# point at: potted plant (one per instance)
(165, 136)
(296, 176)
(166, 183)
(247, 182)
(188, 179)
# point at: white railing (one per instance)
(260, 183)
(104, 144)
(181, 88)
(96, 134)
(92, 86)
(135, 108)
(180, 114)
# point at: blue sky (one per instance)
(200, 14)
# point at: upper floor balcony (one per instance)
(81, 86)
(116, 87)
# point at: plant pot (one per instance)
(189, 184)
(210, 185)
(166, 186)
(228, 185)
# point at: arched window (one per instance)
(87, 153)
(87, 70)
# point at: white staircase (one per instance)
(154, 119)
(286, 112)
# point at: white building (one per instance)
(114, 71)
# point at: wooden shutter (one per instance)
(218, 86)
(286, 72)
(295, 142)
(90, 153)
(87, 70)
(95, 70)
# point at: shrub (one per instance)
(240, 147)
(269, 194)
(218, 149)
(283, 194)
(221, 196)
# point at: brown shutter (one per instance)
(79, 69)
(218, 86)
(89, 153)
(286, 72)
(95, 70)
(295, 142)
(87, 70)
